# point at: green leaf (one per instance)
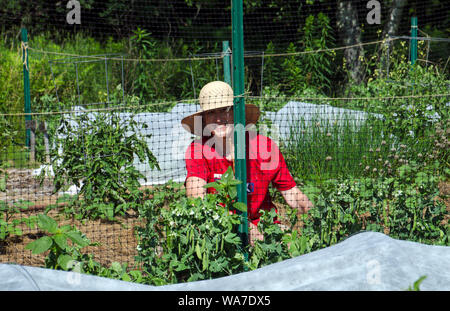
(136, 275)
(126, 277)
(41, 245)
(116, 267)
(228, 175)
(232, 192)
(3, 183)
(65, 228)
(65, 262)
(211, 185)
(416, 285)
(3, 232)
(234, 182)
(77, 238)
(181, 267)
(240, 206)
(47, 223)
(61, 240)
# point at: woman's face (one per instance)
(221, 122)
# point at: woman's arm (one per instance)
(296, 199)
(195, 187)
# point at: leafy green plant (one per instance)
(227, 192)
(403, 206)
(412, 109)
(272, 68)
(168, 80)
(296, 72)
(10, 223)
(190, 242)
(293, 77)
(192, 238)
(61, 255)
(7, 133)
(3, 177)
(97, 155)
(317, 67)
(274, 246)
(119, 271)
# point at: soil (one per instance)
(117, 239)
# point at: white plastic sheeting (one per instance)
(366, 261)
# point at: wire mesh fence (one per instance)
(122, 139)
(93, 174)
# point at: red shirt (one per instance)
(265, 165)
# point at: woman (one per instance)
(210, 156)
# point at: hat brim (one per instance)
(252, 114)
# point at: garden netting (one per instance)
(102, 163)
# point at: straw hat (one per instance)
(217, 95)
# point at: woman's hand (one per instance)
(254, 234)
(296, 199)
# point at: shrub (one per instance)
(97, 154)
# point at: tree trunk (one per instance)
(350, 33)
(395, 16)
(391, 27)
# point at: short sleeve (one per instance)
(282, 179)
(196, 165)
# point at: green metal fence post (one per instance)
(413, 57)
(26, 84)
(226, 62)
(239, 113)
(413, 40)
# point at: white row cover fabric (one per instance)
(366, 261)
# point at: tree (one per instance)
(350, 32)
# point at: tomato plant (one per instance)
(97, 154)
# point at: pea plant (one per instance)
(192, 238)
(119, 271)
(274, 246)
(97, 155)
